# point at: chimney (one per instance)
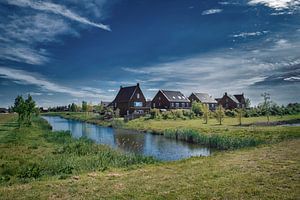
(121, 86)
(138, 84)
(225, 93)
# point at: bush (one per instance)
(30, 171)
(154, 113)
(117, 123)
(230, 113)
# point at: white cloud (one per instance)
(211, 11)
(276, 4)
(57, 9)
(25, 78)
(247, 34)
(292, 78)
(23, 54)
(238, 70)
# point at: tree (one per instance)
(19, 107)
(73, 107)
(30, 108)
(25, 109)
(240, 114)
(197, 108)
(99, 108)
(84, 106)
(206, 113)
(266, 105)
(247, 102)
(220, 114)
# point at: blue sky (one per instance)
(72, 50)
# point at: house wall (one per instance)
(227, 102)
(160, 101)
(128, 107)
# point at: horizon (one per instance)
(62, 52)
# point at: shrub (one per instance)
(30, 171)
(230, 113)
(154, 113)
(117, 123)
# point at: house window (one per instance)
(137, 104)
(115, 104)
(177, 105)
(153, 105)
(138, 95)
(172, 104)
(183, 105)
(159, 98)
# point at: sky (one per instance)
(64, 51)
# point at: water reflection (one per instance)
(130, 141)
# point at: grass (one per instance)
(37, 153)
(267, 172)
(36, 163)
(228, 132)
(90, 117)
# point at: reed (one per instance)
(218, 141)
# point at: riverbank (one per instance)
(37, 153)
(229, 135)
(267, 172)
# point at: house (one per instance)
(3, 110)
(130, 100)
(232, 101)
(204, 98)
(43, 109)
(105, 103)
(165, 99)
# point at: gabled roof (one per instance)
(125, 93)
(175, 96)
(233, 98)
(205, 98)
(239, 97)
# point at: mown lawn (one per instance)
(267, 172)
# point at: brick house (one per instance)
(204, 98)
(165, 99)
(232, 101)
(130, 100)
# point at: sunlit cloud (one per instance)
(59, 10)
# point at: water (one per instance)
(147, 144)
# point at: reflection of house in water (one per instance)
(129, 141)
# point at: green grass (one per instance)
(37, 153)
(267, 172)
(54, 166)
(229, 132)
(81, 116)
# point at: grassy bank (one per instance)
(268, 172)
(81, 116)
(229, 135)
(37, 153)
(226, 136)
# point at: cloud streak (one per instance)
(25, 78)
(211, 11)
(59, 10)
(226, 70)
